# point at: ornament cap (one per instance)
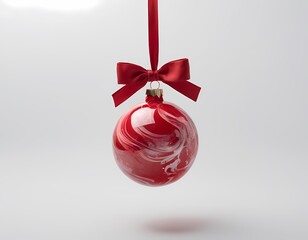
(155, 92)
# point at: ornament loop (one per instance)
(158, 87)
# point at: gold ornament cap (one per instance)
(154, 92)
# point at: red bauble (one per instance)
(155, 143)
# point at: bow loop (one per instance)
(129, 72)
(175, 71)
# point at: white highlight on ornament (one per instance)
(141, 118)
(54, 5)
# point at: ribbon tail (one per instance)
(188, 89)
(126, 92)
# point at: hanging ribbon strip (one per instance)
(175, 73)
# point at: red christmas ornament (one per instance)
(155, 143)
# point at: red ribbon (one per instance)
(175, 73)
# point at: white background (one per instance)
(58, 178)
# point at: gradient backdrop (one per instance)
(58, 178)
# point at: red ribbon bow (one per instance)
(175, 73)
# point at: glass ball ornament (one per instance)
(155, 143)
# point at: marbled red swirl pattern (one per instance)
(155, 143)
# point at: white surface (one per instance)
(58, 179)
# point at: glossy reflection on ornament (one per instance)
(155, 143)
